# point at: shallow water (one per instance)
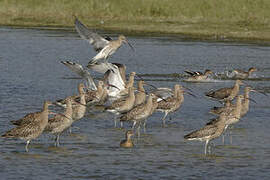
(31, 72)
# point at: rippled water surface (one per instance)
(31, 72)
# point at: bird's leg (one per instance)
(230, 137)
(144, 126)
(164, 117)
(210, 147)
(70, 130)
(138, 131)
(121, 124)
(26, 146)
(115, 121)
(57, 140)
(205, 148)
(223, 139)
(134, 124)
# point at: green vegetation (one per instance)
(217, 19)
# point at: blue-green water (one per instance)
(31, 72)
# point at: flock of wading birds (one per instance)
(126, 102)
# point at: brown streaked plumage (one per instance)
(235, 114)
(31, 126)
(226, 93)
(171, 104)
(244, 108)
(139, 113)
(154, 104)
(140, 97)
(208, 132)
(218, 110)
(122, 105)
(127, 143)
(95, 96)
(60, 122)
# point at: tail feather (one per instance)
(123, 118)
(191, 135)
(16, 122)
(8, 135)
(210, 93)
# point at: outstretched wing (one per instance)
(78, 69)
(93, 38)
(193, 73)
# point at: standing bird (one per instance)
(208, 132)
(78, 109)
(240, 74)
(139, 113)
(198, 76)
(245, 103)
(122, 105)
(60, 122)
(104, 46)
(233, 114)
(31, 126)
(127, 143)
(173, 103)
(225, 94)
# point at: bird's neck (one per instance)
(180, 95)
(130, 82)
(68, 111)
(149, 104)
(141, 89)
(238, 108)
(82, 99)
(100, 89)
(236, 87)
(45, 107)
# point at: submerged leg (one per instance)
(115, 121)
(70, 130)
(134, 124)
(144, 126)
(205, 148)
(56, 143)
(26, 146)
(210, 147)
(230, 136)
(164, 118)
(138, 131)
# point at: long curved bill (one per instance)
(190, 94)
(111, 85)
(130, 46)
(252, 100)
(187, 89)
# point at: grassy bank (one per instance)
(241, 19)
